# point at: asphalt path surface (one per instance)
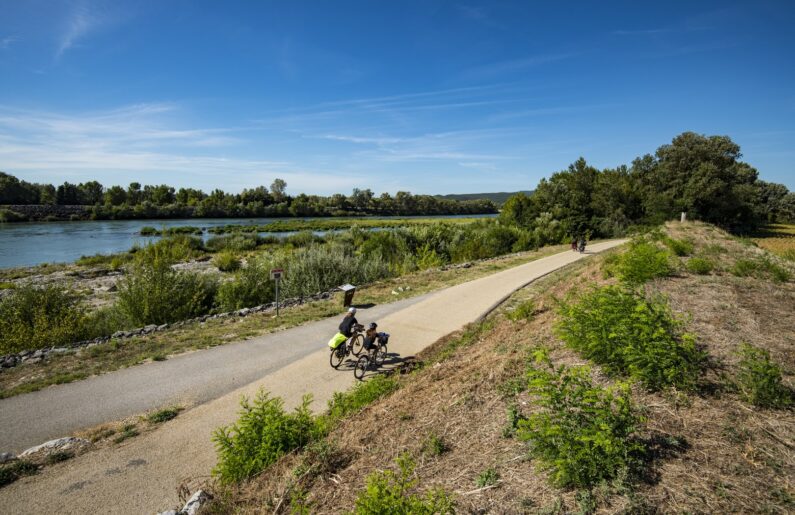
(142, 474)
(187, 379)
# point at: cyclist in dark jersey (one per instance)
(348, 323)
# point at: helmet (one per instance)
(352, 310)
(373, 325)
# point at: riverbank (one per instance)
(34, 243)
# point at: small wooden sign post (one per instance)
(276, 275)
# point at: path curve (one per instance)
(142, 474)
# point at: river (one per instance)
(33, 243)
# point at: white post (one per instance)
(684, 216)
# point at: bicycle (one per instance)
(352, 345)
(374, 357)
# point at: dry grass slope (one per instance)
(710, 451)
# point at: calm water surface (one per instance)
(33, 243)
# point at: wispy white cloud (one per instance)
(138, 143)
(506, 67)
(7, 41)
(81, 20)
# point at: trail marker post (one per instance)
(276, 275)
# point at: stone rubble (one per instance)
(192, 506)
(40, 453)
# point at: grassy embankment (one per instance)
(486, 425)
(159, 346)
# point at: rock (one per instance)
(117, 334)
(39, 454)
(162, 327)
(112, 288)
(169, 512)
(59, 350)
(38, 354)
(5, 457)
(395, 293)
(195, 502)
(30, 361)
(149, 329)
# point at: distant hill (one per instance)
(498, 198)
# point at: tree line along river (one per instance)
(34, 243)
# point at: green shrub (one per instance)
(487, 478)
(745, 268)
(7, 215)
(237, 242)
(584, 434)
(434, 445)
(679, 247)
(263, 433)
(10, 472)
(630, 335)
(149, 231)
(364, 393)
(701, 266)
(173, 249)
(523, 311)
(33, 318)
(252, 286)
(761, 268)
(7, 285)
(302, 239)
(428, 258)
(104, 259)
(759, 379)
(388, 492)
(154, 293)
(227, 262)
(642, 262)
(319, 268)
(163, 415)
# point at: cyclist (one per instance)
(370, 335)
(348, 323)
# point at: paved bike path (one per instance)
(141, 475)
(187, 379)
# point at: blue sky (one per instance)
(426, 96)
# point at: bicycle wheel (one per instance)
(357, 344)
(380, 354)
(362, 364)
(337, 356)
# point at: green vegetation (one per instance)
(127, 431)
(163, 415)
(697, 174)
(679, 247)
(488, 477)
(759, 379)
(434, 445)
(585, 434)
(154, 293)
(762, 267)
(8, 215)
(227, 261)
(163, 201)
(115, 261)
(10, 472)
(629, 335)
(31, 318)
(390, 492)
(343, 404)
(699, 265)
(523, 311)
(642, 262)
(334, 224)
(263, 433)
